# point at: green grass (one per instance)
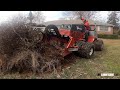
(107, 61)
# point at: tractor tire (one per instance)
(52, 30)
(86, 50)
(99, 45)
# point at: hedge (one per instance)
(119, 32)
(108, 36)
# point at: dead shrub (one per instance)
(23, 51)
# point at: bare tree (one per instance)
(68, 15)
(18, 18)
(38, 17)
(78, 14)
(20, 48)
(86, 14)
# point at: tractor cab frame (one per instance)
(78, 31)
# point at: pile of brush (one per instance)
(21, 50)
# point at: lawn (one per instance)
(107, 61)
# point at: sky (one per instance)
(49, 15)
(102, 16)
(52, 15)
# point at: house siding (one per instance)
(98, 28)
(110, 30)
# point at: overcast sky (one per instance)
(50, 15)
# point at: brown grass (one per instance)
(74, 67)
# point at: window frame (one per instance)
(77, 25)
(64, 27)
(104, 28)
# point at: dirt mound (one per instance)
(22, 50)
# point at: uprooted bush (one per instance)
(21, 50)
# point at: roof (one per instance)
(59, 22)
(101, 23)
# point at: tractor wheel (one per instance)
(86, 50)
(52, 30)
(99, 45)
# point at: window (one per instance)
(78, 27)
(68, 26)
(58, 26)
(64, 26)
(92, 27)
(103, 28)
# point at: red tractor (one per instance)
(70, 38)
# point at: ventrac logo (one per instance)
(107, 74)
